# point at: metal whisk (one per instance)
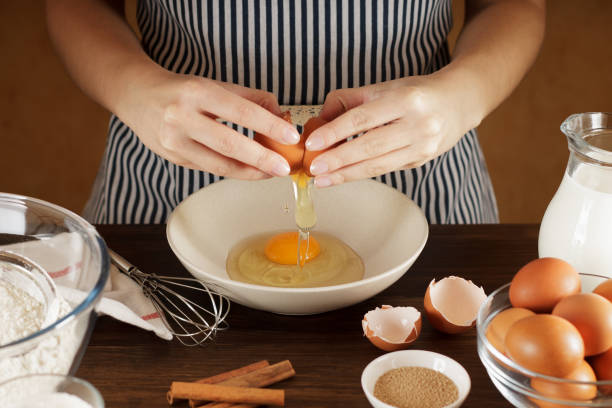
(191, 323)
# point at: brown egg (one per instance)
(296, 155)
(309, 127)
(499, 326)
(564, 391)
(604, 289)
(543, 282)
(602, 365)
(392, 328)
(292, 153)
(546, 344)
(592, 316)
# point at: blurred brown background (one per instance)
(53, 135)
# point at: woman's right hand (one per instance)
(172, 114)
(176, 117)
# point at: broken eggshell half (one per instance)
(452, 304)
(392, 328)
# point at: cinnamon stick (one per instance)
(225, 376)
(197, 404)
(258, 378)
(264, 376)
(226, 393)
(234, 373)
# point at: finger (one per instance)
(199, 157)
(372, 144)
(398, 159)
(229, 143)
(186, 152)
(267, 100)
(234, 108)
(341, 100)
(358, 119)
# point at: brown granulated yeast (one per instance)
(415, 387)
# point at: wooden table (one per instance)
(134, 368)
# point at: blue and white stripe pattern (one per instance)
(299, 50)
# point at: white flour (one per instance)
(20, 313)
(54, 354)
(55, 400)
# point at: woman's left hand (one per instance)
(407, 122)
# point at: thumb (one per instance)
(342, 100)
(265, 99)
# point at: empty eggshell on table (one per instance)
(452, 304)
(392, 328)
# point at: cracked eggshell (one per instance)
(392, 328)
(452, 304)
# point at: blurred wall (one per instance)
(53, 136)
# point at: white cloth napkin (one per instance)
(122, 298)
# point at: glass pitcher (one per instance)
(577, 225)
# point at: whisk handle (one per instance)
(120, 262)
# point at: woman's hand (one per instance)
(407, 122)
(175, 116)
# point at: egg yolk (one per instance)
(282, 249)
(301, 179)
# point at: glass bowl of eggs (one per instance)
(545, 338)
(53, 269)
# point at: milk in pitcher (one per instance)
(577, 225)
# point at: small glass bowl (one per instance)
(514, 381)
(41, 386)
(26, 275)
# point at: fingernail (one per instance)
(323, 182)
(314, 142)
(291, 136)
(319, 167)
(281, 169)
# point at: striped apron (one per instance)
(299, 50)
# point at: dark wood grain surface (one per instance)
(134, 368)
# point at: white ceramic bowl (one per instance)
(414, 358)
(382, 225)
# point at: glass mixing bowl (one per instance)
(39, 240)
(514, 381)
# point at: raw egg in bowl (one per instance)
(384, 227)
